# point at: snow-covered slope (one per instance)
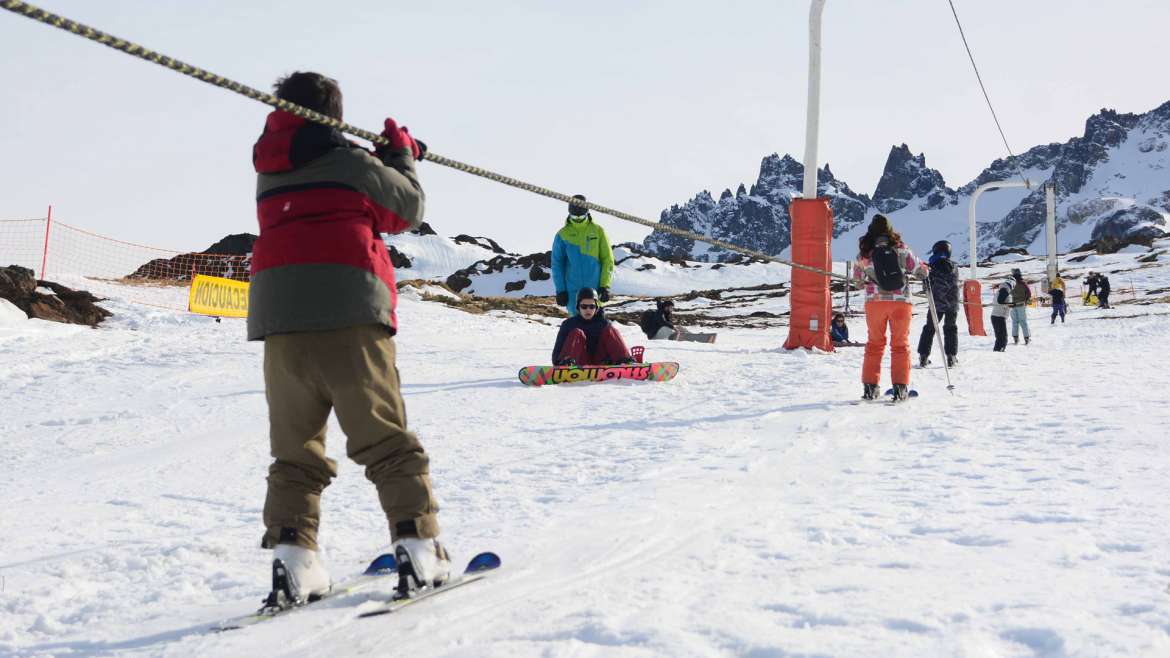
(748, 508)
(436, 257)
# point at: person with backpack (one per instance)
(1058, 303)
(659, 324)
(884, 265)
(999, 314)
(1103, 290)
(944, 290)
(581, 258)
(1021, 295)
(588, 338)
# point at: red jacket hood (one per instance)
(289, 141)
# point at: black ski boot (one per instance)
(870, 393)
(952, 360)
(923, 360)
(901, 392)
(1027, 340)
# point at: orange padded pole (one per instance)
(973, 306)
(812, 236)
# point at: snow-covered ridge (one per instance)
(1123, 157)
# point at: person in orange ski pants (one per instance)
(884, 266)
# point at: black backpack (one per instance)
(887, 266)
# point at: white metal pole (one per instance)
(812, 124)
(971, 212)
(1050, 199)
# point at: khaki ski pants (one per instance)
(350, 371)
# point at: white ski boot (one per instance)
(298, 576)
(421, 563)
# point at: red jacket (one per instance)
(322, 203)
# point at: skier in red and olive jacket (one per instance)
(322, 299)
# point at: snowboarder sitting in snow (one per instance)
(588, 338)
(659, 325)
(839, 332)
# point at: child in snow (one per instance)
(839, 332)
(1058, 304)
(1021, 295)
(322, 299)
(884, 265)
(999, 314)
(659, 325)
(1091, 283)
(944, 289)
(588, 338)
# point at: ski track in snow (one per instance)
(748, 508)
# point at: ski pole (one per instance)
(938, 334)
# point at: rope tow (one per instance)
(130, 48)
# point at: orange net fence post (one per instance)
(108, 267)
(812, 236)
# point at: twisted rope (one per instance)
(140, 52)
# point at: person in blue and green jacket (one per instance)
(581, 257)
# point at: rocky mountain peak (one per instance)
(905, 178)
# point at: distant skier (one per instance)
(581, 257)
(1091, 283)
(1021, 295)
(659, 324)
(322, 299)
(999, 314)
(944, 289)
(1058, 304)
(1103, 290)
(884, 265)
(588, 338)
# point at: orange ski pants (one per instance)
(877, 316)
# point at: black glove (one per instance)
(422, 150)
(563, 298)
(603, 294)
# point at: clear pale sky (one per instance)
(636, 104)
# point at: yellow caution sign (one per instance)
(213, 295)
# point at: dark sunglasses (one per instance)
(586, 306)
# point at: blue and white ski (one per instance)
(478, 568)
(380, 571)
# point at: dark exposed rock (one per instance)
(424, 229)
(535, 264)
(236, 244)
(906, 178)
(513, 286)
(756, 219)
(19, 286)
(398, 259)
(486, 243)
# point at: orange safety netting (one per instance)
(107, 266)
(812, 235)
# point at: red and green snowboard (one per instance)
(649, 372)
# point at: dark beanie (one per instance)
(576, 210)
